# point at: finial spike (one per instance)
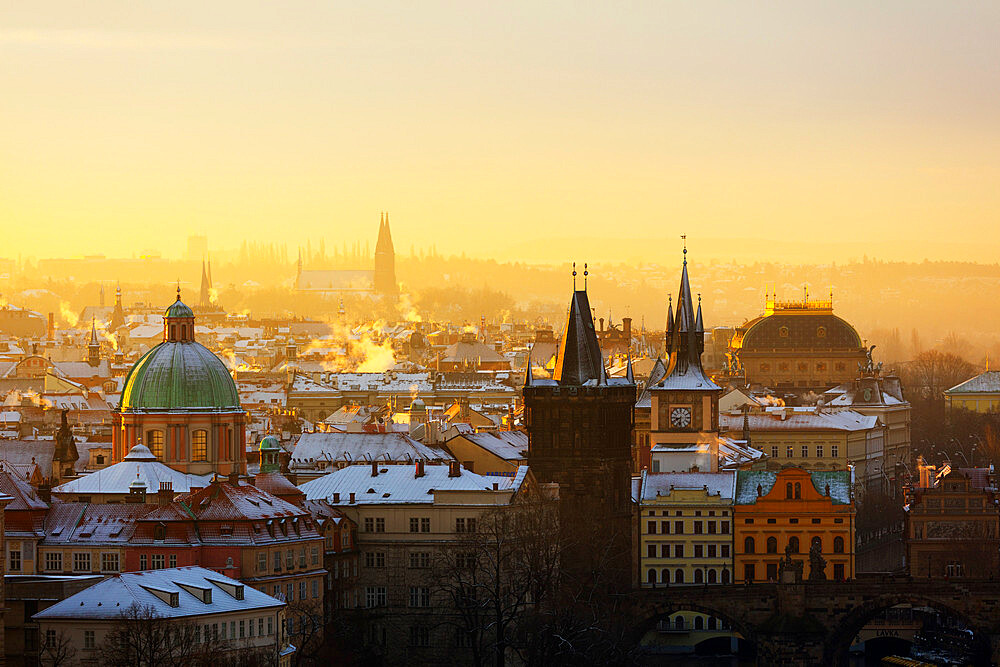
(585, 274)
(574, 276)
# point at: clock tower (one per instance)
(684, 415)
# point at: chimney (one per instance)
(627, 329)
(374, 468)
(420, 469)
(352, 497)
(234, 477)
(496, 486)
(336, 496)
(601, 320)
(52, 326)
(165, 495)
(454, 469)
(45, 493)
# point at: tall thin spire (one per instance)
(629, 374)
(93, 332)
(527, 368)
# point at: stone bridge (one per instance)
(813, 623)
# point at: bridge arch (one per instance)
(843, 630)
(649, 614)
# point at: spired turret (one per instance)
(385, 260)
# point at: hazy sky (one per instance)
(496, 127)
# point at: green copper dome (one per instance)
(178, 309)
(179, 376)
(268, 443)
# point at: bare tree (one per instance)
(57, 651)
(307, 632)
(143, 638)
(492, 579)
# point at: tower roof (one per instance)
(686, 342)
(384, 243)
(579, 359)
(178, 308)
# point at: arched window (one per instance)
(651, 576)
(679, 622)
(699, 622)
(772, 545)
(838, 545)
(184, 332)
(679, 576)
(154, 440)
(665, 576)
(798, 491)
(793, 544)
(712, 576)
(788, 489)
(725, 576)
(699, 576)
(748, 546)
(199, 445)
(816, 543)
(712, 623)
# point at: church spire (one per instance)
(206, 286)
(579, 358)
(94, 346)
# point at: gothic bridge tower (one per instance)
(579, 431)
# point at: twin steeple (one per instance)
(685, 336)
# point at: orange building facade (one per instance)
(785, 515)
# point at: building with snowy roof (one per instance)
(695, 544)
(118, 483)
(490, 452)
(209, 615)
(813, 438)
(977, 394)
(790, 513)
(408, 518)
(316, 453)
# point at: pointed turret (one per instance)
(629, 375)
(385, 260)
(687, 337)
(118, 314)
(527, 368)
(206, 286)
(94, 346)
(579, 358)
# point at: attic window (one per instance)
(86, 533)
(226, 530)
(385, 495)
(371, 491)
(256, 528)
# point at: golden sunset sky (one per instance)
(500, 128)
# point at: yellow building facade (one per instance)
(685, 528)
(978, 394)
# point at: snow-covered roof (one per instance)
(507, 445)
(659, 484)
(138, 464)
(176, 592)
(399, 484)
(791, 419)
(352, 447)
(984, 383)
(748, 480)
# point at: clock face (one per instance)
(680, 417)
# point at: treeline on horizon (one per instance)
(904, 307)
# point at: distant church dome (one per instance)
(179, 373)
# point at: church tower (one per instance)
(385, 260)
(205, 299)
(579, 429)
(118, 314)
(93, 347)
(684, 415)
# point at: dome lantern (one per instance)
(178, 322)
